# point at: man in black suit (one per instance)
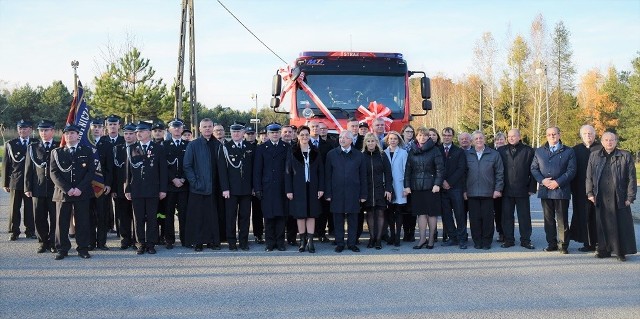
(146, 185)
(178, 188)
(325, 221)
(123, 208)
(454, 216)
(100, 206)
(39, 186)
(112, 124)
(13, 181)
(72, 170)
(268, 183)
(257, 220)
(286, 135)
(237, 159)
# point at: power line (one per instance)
(253, 34)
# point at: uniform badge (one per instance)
(84, 164)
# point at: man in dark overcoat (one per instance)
(101, 205)
(519, 184)
(346, 188)
(583, 219)
(15, 152)
(257, 220)
(268, 183)
(39, 186)
(454, 216)
(325, 221)
(112, 127)
(72, 170)
(122, 205)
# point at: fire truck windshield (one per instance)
(342, 94)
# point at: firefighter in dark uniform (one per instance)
(178, 188)
(257, 220)
(268, 183)
(146, 185)
(158, 132)
(112, 125)
(39, 186)
(72, 170)
(13, 181)
(123, 208)
(100, 205)
(238, 159)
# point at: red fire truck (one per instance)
(334, 86)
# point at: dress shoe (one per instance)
(53, 250)
(303, 242)
(103, 247)
(259, 240)
(354, 249)
(586, 249)
(310, 244)
(486, 247)
(564, 251)
(233, 247)
(41, 249)
(450, 242)
(371, 243)
(551, 248)
(124, 246)
(213, 246)
(169, 246)
(420, 246)
(84, 254)
(140, 250)
(60, 256)
(244, 247)
(198, 247)
(378, 245)
(151, 250)
(268, 248)
(463, 246)
(339, 249)
(507, 245)
(476, 246)
(282, 248)
(500, 238)
(396, 241)
(91, 248)
(429, 247)
(528, 245)
(621, 258)
(600, 254)
(13, 237)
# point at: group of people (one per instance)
(296, 185)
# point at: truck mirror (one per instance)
(295, 73)
(425, 88)
(426, 105)
(276, 85)
(275, 102)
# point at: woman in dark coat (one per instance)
(304, 185)
(379, 188)
(612, 187)
(422, 178)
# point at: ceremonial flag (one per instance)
(79, 115)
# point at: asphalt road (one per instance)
(445, 282)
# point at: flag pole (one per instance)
(74, 65)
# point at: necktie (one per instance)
(144, 148)
(315, 143)
(47, 145)
(113, 141)
(553, 149)
(73, 150)
(446, 151)
(24, 142)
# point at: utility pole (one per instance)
(187, 7)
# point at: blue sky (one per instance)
(40, 38)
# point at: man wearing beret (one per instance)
(268, 183)
(146, 185)
(72, 170)
(13, 181)
(39, 186)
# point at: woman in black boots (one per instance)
(380, 187)
(304, 185)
